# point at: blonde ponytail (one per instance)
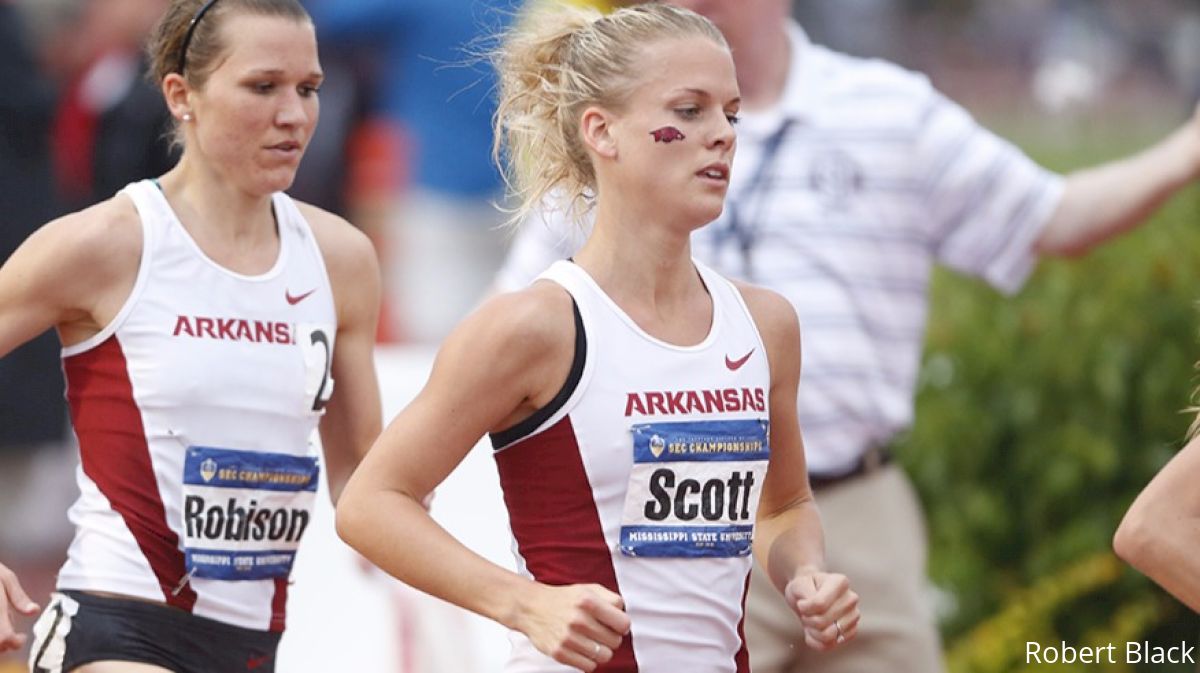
(554, 65)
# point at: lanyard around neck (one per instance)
(740, 228)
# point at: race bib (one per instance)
(244, 512)
(694, 488)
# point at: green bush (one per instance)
(1039, 418)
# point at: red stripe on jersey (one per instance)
(742, 658)
(279, 605)
(555, 521)
(116, 456)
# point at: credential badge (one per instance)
(837, 177)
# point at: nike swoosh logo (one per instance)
(254, 663)
(735, 365)
(293, 300)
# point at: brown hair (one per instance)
(167, 42)
(554, 65)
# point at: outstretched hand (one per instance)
(579, 625)
(12, 596)
(827, 607)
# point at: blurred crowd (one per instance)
(404, 146)
(1060, 55)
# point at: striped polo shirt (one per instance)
(843, 196)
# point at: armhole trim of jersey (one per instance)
(135, 293)
(528, 426)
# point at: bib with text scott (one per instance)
(694, 488)
(244, 512)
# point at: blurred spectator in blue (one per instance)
(432, 91)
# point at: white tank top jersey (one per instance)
(195, 410)
(644, 475)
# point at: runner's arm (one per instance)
(788, 540)
(353, 416)
(503, 362)
(1160, 534)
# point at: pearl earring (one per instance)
(187, 116)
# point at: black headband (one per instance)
(187, 39)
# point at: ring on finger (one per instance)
(595, 650)
(841, 636)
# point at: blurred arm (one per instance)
(788, 540)
(1160, 534)
(488, 370)
(505, 361)
(74, 273)
(353, 417)
(28, 306)
(1107, 200)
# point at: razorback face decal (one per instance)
(667, 134)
